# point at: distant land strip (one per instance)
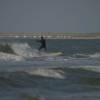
(50, 35)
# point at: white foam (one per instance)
(7, 57)
(48, 73)
(90, 68)
(95, 69)
(23, 49)
(95, 55)
(80, 55)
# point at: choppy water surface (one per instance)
(27, 74)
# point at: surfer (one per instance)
(43, 44)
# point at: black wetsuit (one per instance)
(43, 44)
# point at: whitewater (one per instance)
(29, 74)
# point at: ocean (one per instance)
(27, 74)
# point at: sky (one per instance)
(82, 16)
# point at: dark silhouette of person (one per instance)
(43, 44)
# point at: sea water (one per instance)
(28, 74)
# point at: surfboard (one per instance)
(48, 54)
(55, 53)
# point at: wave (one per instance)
(95, 55)
(29, 78)
(80, 55)
(6, 48)
(10, 57)
(48, 78)
(53, 73)
(20, 52)
(88, 68)
(95, 69)
(23, 49)
(48, 73)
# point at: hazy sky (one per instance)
(50, 16)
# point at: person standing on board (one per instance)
(43, 44)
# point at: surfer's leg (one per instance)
(40, 47)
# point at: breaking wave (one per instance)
(89, 68)
(29, 78)
(10, 57)
(80, 55)
(95, 55)
(23, 49)
(48, 73)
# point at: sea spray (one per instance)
(23, 49)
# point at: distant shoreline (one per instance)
(50, 35)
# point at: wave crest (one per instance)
(48, 73)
